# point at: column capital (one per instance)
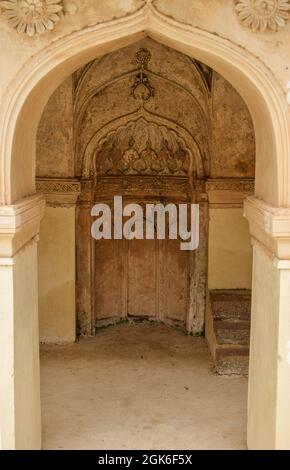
(269, 226)
(20, 223)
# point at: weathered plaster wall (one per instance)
(17, 49)
(233, 136)
(56, 267)
(230, 251)
(107, 85)
(218, 16)
(214, 113)
(55, 156)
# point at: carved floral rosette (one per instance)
(263, 15)
(32, 17)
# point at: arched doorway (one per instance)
(21, 111)
(148, 152)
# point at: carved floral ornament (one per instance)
(32, 17)
(263, 15)
(141, 148)
(142, 89)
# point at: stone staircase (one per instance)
(228, 330)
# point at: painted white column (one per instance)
(19, 335)
(283, 375)
(269, 374)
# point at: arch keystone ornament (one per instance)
(263, 15)
(32, 17)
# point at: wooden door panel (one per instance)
(108, 279)
(176, 281)
(142, 279)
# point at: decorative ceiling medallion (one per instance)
(32, 16)
(263, 15)
(142, 89)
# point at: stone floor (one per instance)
(139, 386)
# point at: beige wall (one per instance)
(230, 252)
(56, 265)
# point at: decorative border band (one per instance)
(229, 192)
(59, 192)
(221, 192)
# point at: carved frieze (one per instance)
(229, 192)
(142, 148)
(57, 186)
(263, 15)
(59, 192)
(143, 185)
(238, 185)
(221, 192)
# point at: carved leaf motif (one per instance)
(142, 148)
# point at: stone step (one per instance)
(232, 332)
(230, 312)
(232, 360)
(231, 304)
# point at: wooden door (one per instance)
(175, 276)
(142, 259)
(140, 278)
(108, 275)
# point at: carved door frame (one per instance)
(100, 190)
